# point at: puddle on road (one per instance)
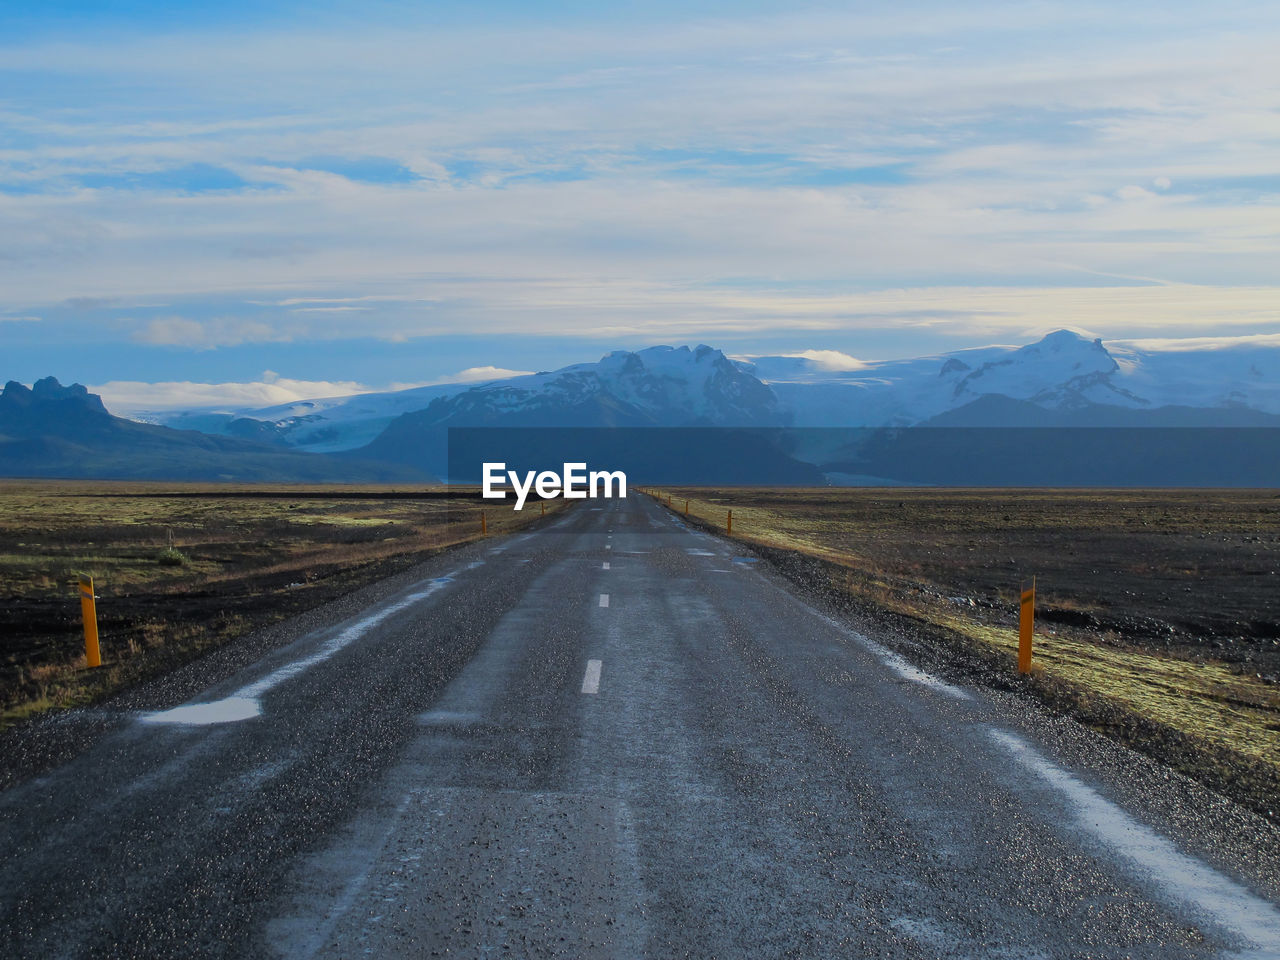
(229, 710)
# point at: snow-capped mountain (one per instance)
(660, 386)
(574, 414)
(1062, 371)
(322, 425)
(669, 386)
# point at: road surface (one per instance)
(614, 736)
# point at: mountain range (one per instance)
(818, 417)
(682, 386)
(48, 430)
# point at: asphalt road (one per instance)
(616, 737)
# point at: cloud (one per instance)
(832, 360)
(331, 309)
(133, 397)
(179, 331)
(21, 319)
(475, 374)
(1134, 192)
(1197, 344)
(581, 176)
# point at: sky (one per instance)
(329, 197)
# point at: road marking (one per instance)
(591, 680)
(1181, 876)
(608, 546)
(909, 671)
(891, 660)
(604, 599)
(606, 565)
(245, 703)
(695, 552)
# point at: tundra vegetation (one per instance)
(1158, 612)
(181, 568)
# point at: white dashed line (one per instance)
(591, 679)
(606, 565)
(604, 599)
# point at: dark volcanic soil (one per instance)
(1193, 573)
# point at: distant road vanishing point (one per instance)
(615, 736)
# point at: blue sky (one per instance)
(355, 196)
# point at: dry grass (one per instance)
(183, 567)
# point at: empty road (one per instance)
(613, 736)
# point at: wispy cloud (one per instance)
(479, 374)
(982, 171)
(134, 397)
(1197, 344)
(178, 331)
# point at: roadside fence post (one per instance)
(1026, 626)
(89, 613)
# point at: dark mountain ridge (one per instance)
(51, 430)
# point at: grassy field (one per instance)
(1158, 612)
(182, 567)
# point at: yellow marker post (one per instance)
(686, 508)
(544, 508)
(89, 612)
(484, 525)
(1026, 626)
(728, 524)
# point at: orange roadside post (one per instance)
(1026, 626)
(728, 524)
(89, 613)
(484, 525)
